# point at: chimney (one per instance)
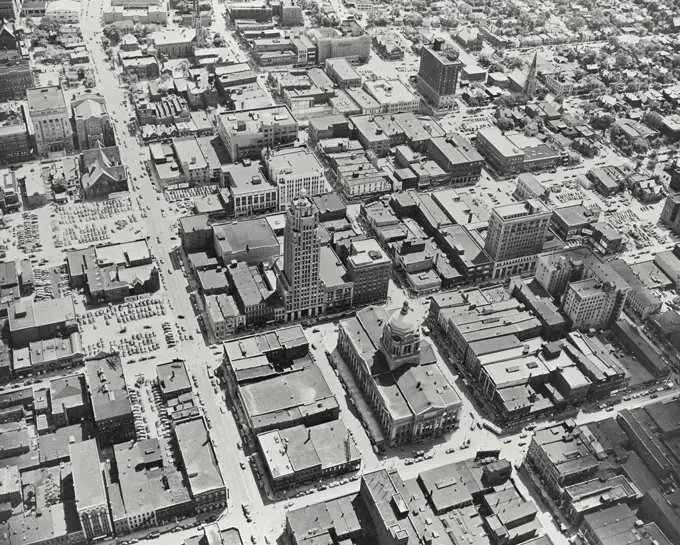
(438, 43)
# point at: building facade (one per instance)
(16, 77)
(298, 283)
(245, 134)
(291, 171)
(91, 120)
(438, 76)
(51, 121)
(515, 237)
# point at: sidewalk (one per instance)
(363, 409)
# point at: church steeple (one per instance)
(198, 25)
(530, 84)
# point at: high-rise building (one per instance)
(438, 76)
(515, 236)
(298, 282)
(670, 215)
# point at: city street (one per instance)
(241, 484)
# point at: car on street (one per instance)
(243, 465)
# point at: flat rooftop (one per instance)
(198, 456)
(88, 482)
(173, 377)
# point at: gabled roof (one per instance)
(99, 162)
(89, 108)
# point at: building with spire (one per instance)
(198, 25)
(530, 83)
(399, 375)
(299, 284)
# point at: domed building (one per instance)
(399, 375)
(400, 340)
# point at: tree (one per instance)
(505, 124)
(601, 122)
(640, 145)
(514, 62)
(576, 23)
(653, 119)
(112, 33)
(413, 19)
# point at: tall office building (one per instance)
(438, 76)
(670, 215)
(299, 284)
(516, 235)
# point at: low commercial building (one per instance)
(245, 134)
(359, 177)
(342, 73)
(328, 126)
(173, 379)
(110, 400)
(90, 492)
(37, 320)
(398, 373)
(574, 222)
(16, 77)
(298, 455)
(499, 151)
(277, 382)
(48, 355)
(466, 254)
(621, 525)
(605, 373)
(252, 241)
(147, 493)
(392, 96)
(458, 158)
(528, 187)
(607, 180)
(224, 317)
(255, 294)
(370, 270)
(564, 454)
(293, 170)
(206, 485)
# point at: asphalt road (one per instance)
(198, 357)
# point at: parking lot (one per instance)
(136, 329)
(79, 224)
